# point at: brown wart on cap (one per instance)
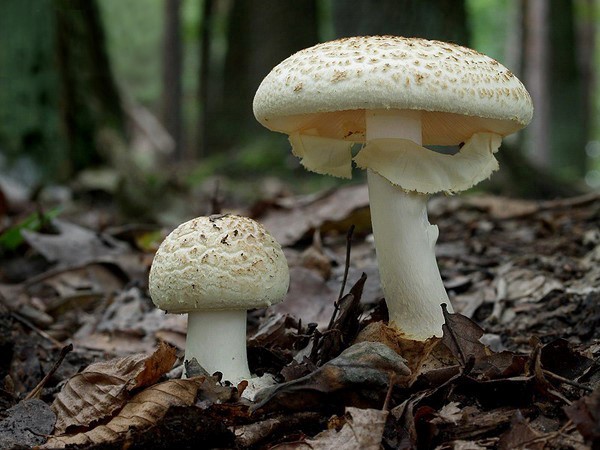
(396, 94)
(215, 269)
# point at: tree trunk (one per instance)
(260, 35)
(29, 122)
(89, 97)
(537, 80)
(568, 131)
(444, 20)
(172, 75)
(586, 56)
(208, 13)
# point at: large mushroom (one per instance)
(215, 269)
(394, 95)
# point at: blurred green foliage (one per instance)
(134, 31)
(12, 238)
(490, 22)
(29, 107)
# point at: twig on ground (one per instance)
(35, 392)
(336, 304)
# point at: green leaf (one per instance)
(12, 238)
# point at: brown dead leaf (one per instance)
(363, 430)
(449, 414)
(276, 329)
(336, 210)
(461, 336)
(253, 433)
(74, 245)
(585, 414)
(421, 356)
(143, 411)
(503, 207)
(360, 374)
(520, 435)
(103, 388)
(343, 325)
(309, 297)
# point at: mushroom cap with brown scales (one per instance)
(218, 263)
(324, 90)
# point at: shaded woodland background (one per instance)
(143, 98)
(120, 119)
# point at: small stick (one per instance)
(550, 436)
(388, 396)
(42, 333)
(347, 263)
(567, 381)
(35, 393)
(336, 304)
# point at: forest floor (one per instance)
(86, 360)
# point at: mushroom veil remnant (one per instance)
(215, 269)
(394, 95)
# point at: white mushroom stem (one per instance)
(217, 339)
(404, 239)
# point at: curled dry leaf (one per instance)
(103, 388)
(143, 411)
(421, 357)
(343, 326)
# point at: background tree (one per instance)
(89, 99)
(259, 36)
(172, 74)
(59, 91)
(29, 120)
(552, 155)
(444, 20)
(569, 130)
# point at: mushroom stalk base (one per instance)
(405, 240)
(217, 339)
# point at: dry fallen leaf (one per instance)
(361, 373)
(520, 435)
(336, 210)
(421, 357)
(309, 297)
(585, 414)
(74, 245)
(461, 336)
(142, 411)
(450, 413)
(363, 430)
(103, 388)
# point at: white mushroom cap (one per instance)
(324, 90)
(323, 98)
(218, 263)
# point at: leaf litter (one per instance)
(517, 366)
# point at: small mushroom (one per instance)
(215, 269)
(395, 95)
